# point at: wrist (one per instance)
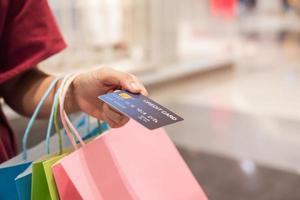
(71, 103)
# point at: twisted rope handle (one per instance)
(34, 116)
(53, 117)
(67, 81)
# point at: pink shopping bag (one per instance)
(129, 163)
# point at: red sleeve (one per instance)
(29, 35)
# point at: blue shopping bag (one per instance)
(7, 176)
(23, 184)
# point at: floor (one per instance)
(241, 134)
(234, 157)
(227, 179)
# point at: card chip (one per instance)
(125, 96)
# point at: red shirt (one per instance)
(28, 35)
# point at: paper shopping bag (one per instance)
(23, 184)
(129, 163)
(43, 184)
(8, 190)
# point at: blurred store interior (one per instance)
(231, 68)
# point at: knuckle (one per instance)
(128, 76)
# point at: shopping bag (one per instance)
(128, 163)
(8, 172)
(43, 184)
(23, 184)
(7, 176)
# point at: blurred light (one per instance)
(248, 166)
(224, 8)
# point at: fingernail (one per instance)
(145, 93)
(134, 86)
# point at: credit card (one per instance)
(140, 108)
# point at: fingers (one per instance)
(132, 84)
(122, 80)
(113, 118)
(138, 85)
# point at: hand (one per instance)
(88, 86)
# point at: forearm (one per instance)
(24, 92)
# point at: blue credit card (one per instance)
(140, 108)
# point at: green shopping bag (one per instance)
(43, 184)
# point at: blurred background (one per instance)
(231, 68)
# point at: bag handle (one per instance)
(63, 115)
(53, 117)
(34, 116)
